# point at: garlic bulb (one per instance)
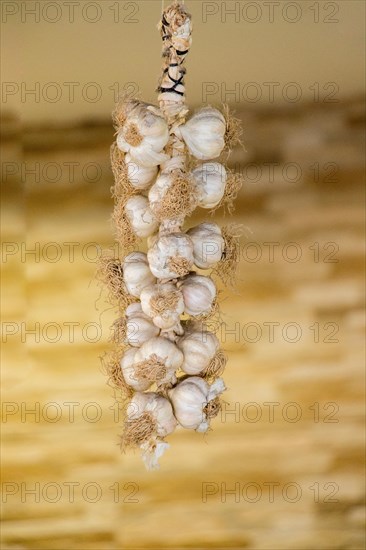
(136, 273)
(204, 133)
(163, 303)
(171, 256)
(210, 179)
(159, 189)
(195, 402)
(142, 220)
(157, 360)
(129, 374)
(158, 421)
(208, 244)
(199, 293)
(139, 327)
(140, 177)
(199, 348)
(144, 135)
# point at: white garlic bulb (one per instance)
(210, 179)
(157, 360)
(129, 374)
(139, 327)
(136, 273)
(171, 256)
(144, 135)
(208, 244)
(140, 177)
(159, 189)
(195, 402)
(199, 348)
(142, 220)
(204, 133)
(161, 420)
(199, 293)
(163, 303)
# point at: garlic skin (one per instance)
(128, 371)
(204, 133)
(199, 293)
(140, 177)
(137, 274)
(144, 135)
(171, 256)
(189, 399)
(163, 303)
(208, 244)
(140, 216)
(210, 179)
(199, 348)
(165, 357)
(139, 328)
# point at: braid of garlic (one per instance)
(176, 30)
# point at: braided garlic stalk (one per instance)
(163, 170)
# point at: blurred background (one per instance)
(283, 467)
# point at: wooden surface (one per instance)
(320, 455)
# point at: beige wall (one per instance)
(229, 51)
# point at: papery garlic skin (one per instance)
(136, 273)
(128, 371)
(171, 256)
(140, 177)
(208, 244)
(204, 133)
(169, 316)
(189, 399)
(164, 352)
(199, 348)
(210, 179)
(144, 135)
(199, 293)
(139, 329)
(140, 216)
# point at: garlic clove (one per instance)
(204, 133)
(199, 293)
(140, 216)
(140, 177)
(171, 256)
(137, 275)
(140, 329)
(208, 244)
(210, 179)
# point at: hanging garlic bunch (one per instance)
(165, 346)
(208, 244)
(195, 402)
(144, 134)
